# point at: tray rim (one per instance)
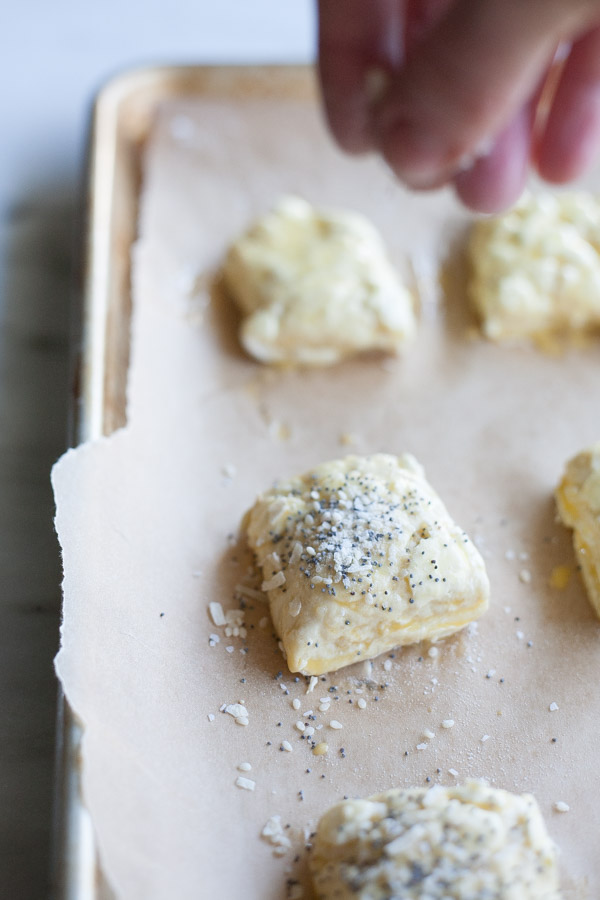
(121, 116)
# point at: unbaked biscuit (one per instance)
(358, 556)
(578, 501)
(536, 269)
(470, 842)
(316, 286)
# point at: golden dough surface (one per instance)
(316, 286)
(536, 269)
(578, 501)
(469, 842)
(359, 556)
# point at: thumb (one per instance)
(466, 80)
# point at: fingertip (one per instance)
(496, 181)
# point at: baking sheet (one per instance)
(148, 521)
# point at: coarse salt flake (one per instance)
(484, 738)
(235, 710)
(312, 684)
(427, 733)
(561, 806)
(553, 707)
(422, 746)
(217, 614)
(245, 767)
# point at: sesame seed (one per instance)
(335, 724)
(245, 783)
(453, 772)
(422, 746)
(525, 576)
(245, 767)
(561, 806)
(276, 581)
(362, 703)
(285, 745)
(448, 723)
(433, 652)
(520, 635)
(300, 725)
(428, 734)
(296, 703)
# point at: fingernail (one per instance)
(414, 155)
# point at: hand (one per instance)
(449, 90)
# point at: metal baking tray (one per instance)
(121, 121)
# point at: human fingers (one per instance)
(356, 39)
(473, 71)
(571, 137)
(496, 180)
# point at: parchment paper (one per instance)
(148, 522)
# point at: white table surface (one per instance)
(53, 56)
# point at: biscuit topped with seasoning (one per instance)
(578, 501)
(358, 556)
(469, 842)
(536, 269)
(316, 286)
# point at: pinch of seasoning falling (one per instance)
(320, 749)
